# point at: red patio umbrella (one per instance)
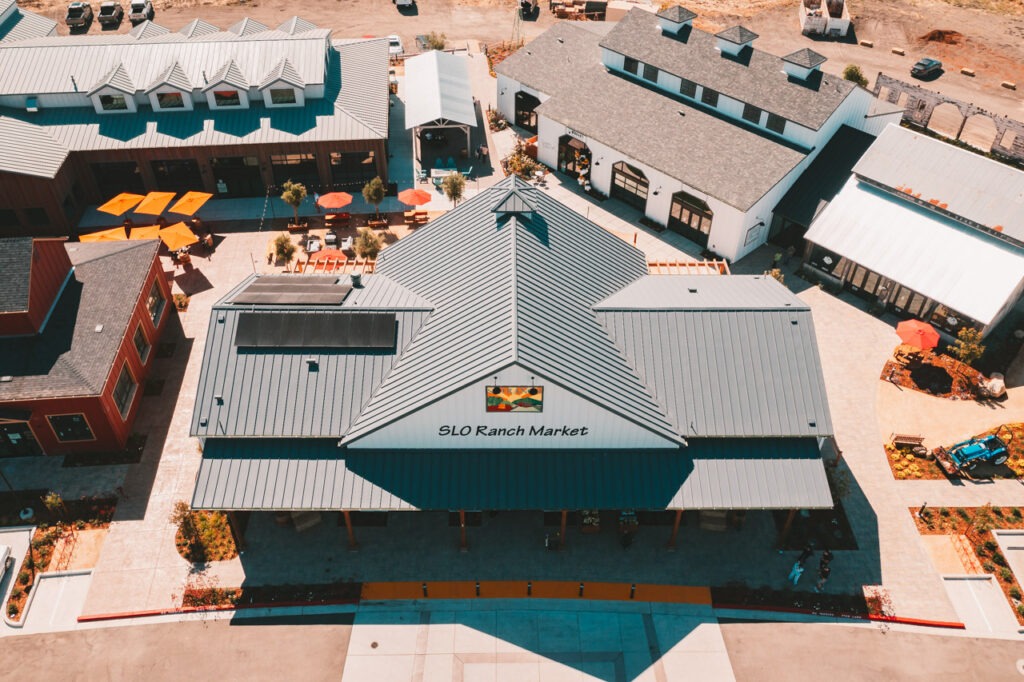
(917, 334)
(414, 197)
(329, 254)
(334, 200)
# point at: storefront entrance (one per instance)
(526, 115)
(573, 156)
(690, 217)
(629, 185)
(177, 175)
(908, 302)
(297, 168)
(864, 283)
(115, 177)
(17, 440)
(237, 176)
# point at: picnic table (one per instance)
(437, 175)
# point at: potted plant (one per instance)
(294, 194)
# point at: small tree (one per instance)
(776, 274)
(55, 503)
(454, 186)
(373, 193)
(853, 73)
(182, 517)
(294, 194)
(967, 348)
(367, 244)
(436, 41)
(284, 248)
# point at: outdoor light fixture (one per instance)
(496, 390)
(657, 192)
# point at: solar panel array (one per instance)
(292, 290)
(316, 330)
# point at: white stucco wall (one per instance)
(461, 421)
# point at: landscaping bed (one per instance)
(907, 466)
(976, 524)
(200, 594)
(935, 374)
(204, 536)
(132, 454)
(496, 54)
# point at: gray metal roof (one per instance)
(247, 27)
(268, 392)
(148, 29)
(273, 474)
(15, 271)
(519, 293)
(756, 79)
(24, 25)
(38, 143)
(723, 159)
(284, 71)
(229, 73)
(197, 28)
(116, 78)
(70, 358)
(296, 25)
(727, 356)
(437, 88)
(980, 189)
(173, 76)
(45, 65)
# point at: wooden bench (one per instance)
(420, 217)
(377, 224)
(410, 217)
(906, 440)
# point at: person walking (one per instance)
(795, 573)
(826, 559)
(806, 554)
(823, 573)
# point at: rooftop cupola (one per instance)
(674, 19)
(802, 64)
(732, 41)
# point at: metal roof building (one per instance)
(528, 373)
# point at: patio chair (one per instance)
(438, 163)
(422, 175)
(451, 162)
(468, 174)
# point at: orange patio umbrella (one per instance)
(121, 203)
(145, 232)
(114, 234)
(155, 203)
(414, 197)
(917, 334)
(190, 203)
(334, 200)
(177, 236)
(329, 254)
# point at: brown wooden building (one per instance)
(78, 327)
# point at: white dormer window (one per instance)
(282, 96)
(170, 100)
(226, 98)
(113, 102)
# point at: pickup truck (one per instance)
(140, 11)
(79, 15)
(111, 14)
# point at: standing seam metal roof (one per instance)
(438, 88)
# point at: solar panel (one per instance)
(316, 330)
(293, 290)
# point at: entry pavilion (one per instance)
(542, 368)
(439, 108)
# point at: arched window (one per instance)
(690, 217)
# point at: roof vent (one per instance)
(673, 20)
(312, 364)
(32, 104)
(219, 399)
(802, 64)
(692, 291)
(733, 40)
(6, 379)
(357, 280)
(98, 329)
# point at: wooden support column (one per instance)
(352, 544)
(463, 545)
(675, 530)
(839, 453)
(785, 529)
(237, 530)
(561, 532)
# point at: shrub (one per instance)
(436, 41)
(454, 186)
(1020, 609)
(24, 577)
(944, 512)
(990, 545)
(367, 244)
(1015, 592)
(962, 513)
(853, 74)
(181, 302)
(1006, 575)
(1015, 512)
(374, 192)
(967, 348)
(12, 609)
(17, 592)
(988, 567)
(998, 558)
(284, 248)
(998, 511)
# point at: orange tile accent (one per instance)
(543, 589)
(450, 590)
(503, 589)
(607, 591)
(549, 589)
(679, 594)
(405, 590)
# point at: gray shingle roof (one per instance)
(274, 393)
(274, 474)
(677, 14)
(70, 358)
(723, 158)
(737, 34)
(742, 361)
(15, 269)
(284, 71)
(521, 294)
(173, 76)
(37, 144)
(116, 78)
(759, 81)
(806, 58)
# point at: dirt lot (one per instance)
(992, 31)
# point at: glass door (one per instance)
(909, 302)
(864, 282)
(629, 185)
(17, 440)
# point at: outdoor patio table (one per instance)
(437, 175)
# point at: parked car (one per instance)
(79, 15)
(111, 14)
(395, 46)
(141, 10)
(926, 67)
(405, 5)
(6, 560)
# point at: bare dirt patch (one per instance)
(940, 36)
(78, 550)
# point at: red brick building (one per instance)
(78, 328)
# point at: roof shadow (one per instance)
(28, 356)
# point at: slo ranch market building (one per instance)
(542, 369)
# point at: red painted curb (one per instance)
(952, 625)
(203, 609)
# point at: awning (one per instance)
(956, 265)
(437, 90)
(273, 474)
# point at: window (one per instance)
(651, 73)
(142, 344)
(113, 103)
(155, 303)
(353, 168)
(690, 216)
(170, 100)
(176, 175)
(776, 124)
(70, 427)
(688, 88)
(631, 65)
(709, 97)
(227, 98)
(37, 217)
(751, 113)
(282, 96)
(124, 391)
